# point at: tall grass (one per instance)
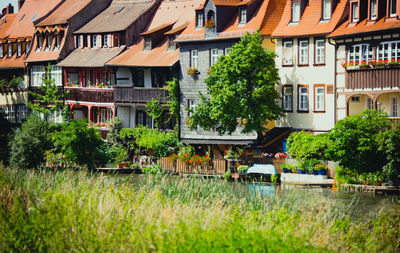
(76, 211)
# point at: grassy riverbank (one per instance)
(74, 211)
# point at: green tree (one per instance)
(389, 144)
(353, 141)
(155, 109)
(30, 142)
(50, 99)
(242, 90)
(5, 130)
(304, 145)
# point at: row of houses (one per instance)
(335, 57)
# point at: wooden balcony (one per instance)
(373, 78)
(140, 95)
(90, 95)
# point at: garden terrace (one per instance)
(140, 95)
(97, 95)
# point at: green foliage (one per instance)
(81, 144)
(155, 109)
(241, 90)
(173, 98)
(51, 100)
(310, 164)
(142, 137)
(29, 143)
(290, 167)
(16, 81)
(154, 169)
(274, 178)
(353, 141)
(228, 175)
(5, 131)
(304, 145)
(243, 168)
(389, 144)
(121, 155)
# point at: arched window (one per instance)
(210, 15)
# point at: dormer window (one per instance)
(10, 51)
(94, 40)
(243, 15)
(295, 12)
(39, 43)
(210, 20)
(19, 49)
(57, 42)
(327, 9)
(105, 40)
(199, 19)
(147, 43)
(171, 42)
(373, 9)
(27, 46)
(354, 12)
(1, 51)
(79, 42)
(392, 8)
(48, 42)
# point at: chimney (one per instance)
(20, 3)
(10, 9)
(4, 12)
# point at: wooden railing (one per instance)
(217, 167)
(373, 78)
(91, 95)
(140, 95)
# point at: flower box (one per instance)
(192, 71)
(210, 24)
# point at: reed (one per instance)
(78, 211)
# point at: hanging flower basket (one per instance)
(192, 71)
(210, 24)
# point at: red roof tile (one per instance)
(365, 27)
(273, 16)
(310, 22)
(5, 23)
(13, 62)
(61, 15)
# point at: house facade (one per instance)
(89, 81)
(306, 63)
(368, 58)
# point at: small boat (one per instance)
(263, 171)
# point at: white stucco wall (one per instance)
(308, 75)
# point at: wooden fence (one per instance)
(217, 167)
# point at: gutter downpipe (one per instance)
(334, 81)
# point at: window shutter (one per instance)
(89, 41)
(99, 44)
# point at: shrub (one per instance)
(29, 143)
(5, 130)
(389, 144)
(304, 145)
(243, 168)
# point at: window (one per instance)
(105, 40)
(140, 78)
(22, 112)
(214, 56)
(243, 16)
(10, 50)
(394, 112)
(355, 99)
(227, 50)
(191, 106)
(9, 110)
(319, 51)
(303, 98)
(373, 9)
(327, 9)
(27, 46)
(295, 11)
(392, 8)
(57, 42)
(1, 51)
(149, 122)
(55, 117)
(147, 43)
(287, 97)
(354, 12)
(48, 42)
(19, 49)
(199, 19)
(37, 75)
(140, 118)
(56, 74)
(194, 57)
(287, 53)
(79, 42)
(360, 53)
(319, 98)
(370, 104)
(94, 40)
(303, 52)
(171, 42)
(388, 51)
(39, 43)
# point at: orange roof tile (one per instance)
(178, 12)
(5, 23)
(310, 22)
(226, 2)
(273, 16)
(13, 62)
(365, 27)
(156, 29)
(31, 10)
(63, 13)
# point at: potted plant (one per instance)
(364, 65)
(210, 24)
(321, 169)
(192, 71)
(121, 158)
(286, 168)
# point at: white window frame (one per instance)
(79, 41)
(243, 16)
(9, 50)
(287, 97)
(48, 42)
(319, 98)
(19, 49)
(149, 121)
(200, 19)
(394, 106)
(359, 53)
(327, 9)
(227, 50)
(388, 50)
(192, 106)
(27, 47)
(392, 11)
(354, 11)
(56, 42)
(56, 74)
(194, 58)
(39, 43)
(214, 55)
(295, 11)
(94, 41)
(303, 52)
(303, 98)
(37, 74)
(287, 52)
(1, 50)
(22, 112)
(319, 51)
(147, 43)
(373, 9)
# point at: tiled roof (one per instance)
(118, 16)
(32, 10)
(157, 57)
(13, 62)
(5, 23)
(158, 28)
(90, 57)
(61, 15)
(273, 16)
(178, 13)
(365, 27)
(310, 22)
(226, 2)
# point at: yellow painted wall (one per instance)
(357, 107)
(269, 44)
(12, 98)
(384, 101)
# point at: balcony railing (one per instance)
(91, 95)
(140, 95)
(373, 78)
